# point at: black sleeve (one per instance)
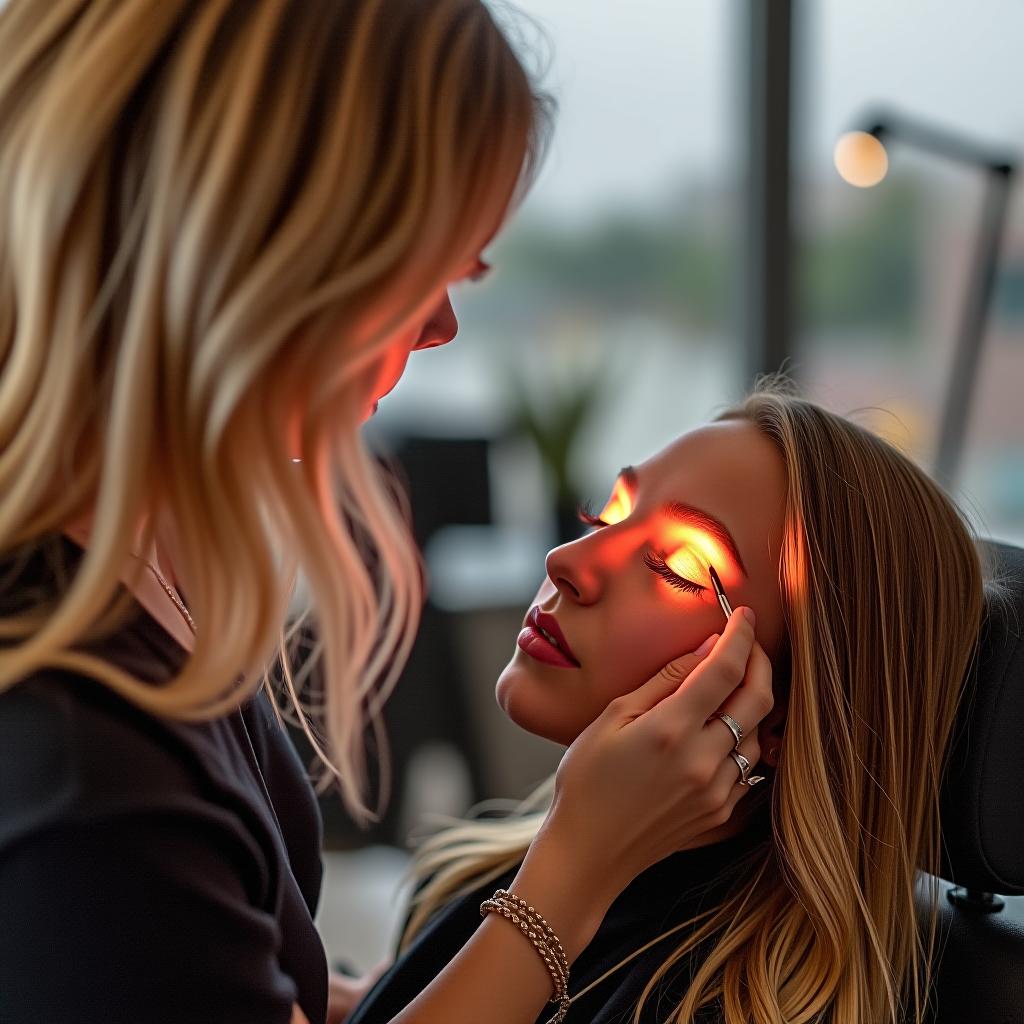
(140, 918)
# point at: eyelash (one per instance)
(659, 566)
(653, 562)
(585, 514)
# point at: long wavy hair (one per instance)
(882, 589)
(214, 216)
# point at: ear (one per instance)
(773, 726)
(770, 732)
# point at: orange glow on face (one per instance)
(687, 546)
(685, 563)
(692, 550)
(620, 505)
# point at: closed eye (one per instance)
(618, 507)
(585, 514)
(654, 562)
(659, 566)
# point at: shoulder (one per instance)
(77, 752)
(101, 915)
(65, 742)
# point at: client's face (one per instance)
(630, 596)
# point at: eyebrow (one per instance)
(691, 516)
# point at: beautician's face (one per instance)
(631, 596)
(433, 325)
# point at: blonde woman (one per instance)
(868, 595)
(224, 227)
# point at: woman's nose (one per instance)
(442, 326)
(574, 569)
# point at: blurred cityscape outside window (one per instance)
(882, 272)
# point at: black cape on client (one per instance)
(676, 888)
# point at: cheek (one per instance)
(623, 641)
(638, 643)
(626, 661)
(392, 365)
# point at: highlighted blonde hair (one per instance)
(882, 590)
(214, 216)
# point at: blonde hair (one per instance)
(205, 206)
(882, 590)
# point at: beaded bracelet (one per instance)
(541, 937)
(525, 910)
(537, 931)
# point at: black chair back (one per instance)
(980, 964)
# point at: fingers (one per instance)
(728, 774)
(714, 679)
(747, 704)
(666, 681)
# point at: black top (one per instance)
(666, 894)
(150, 871)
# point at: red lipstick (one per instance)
(543, 639)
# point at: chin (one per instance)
(528, 703)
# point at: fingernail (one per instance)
(751, 618)
(707, 645)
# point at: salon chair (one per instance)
(979, 964)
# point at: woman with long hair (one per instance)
(868, 593)
(224, 227)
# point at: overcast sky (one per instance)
(650, 89)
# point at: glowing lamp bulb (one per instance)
(860, 159)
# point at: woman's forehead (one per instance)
(730, 470)
(724, 452)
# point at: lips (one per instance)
(548, 626)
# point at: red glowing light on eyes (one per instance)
(619, 506)
(691, 549)
(691, 552)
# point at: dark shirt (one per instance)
(670, 892)
(151, 871)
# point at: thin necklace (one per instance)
(170, 592)
(191, 623)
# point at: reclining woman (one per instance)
(868, 593)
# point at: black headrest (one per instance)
(982, 797)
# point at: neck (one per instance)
(80, 529)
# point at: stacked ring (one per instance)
(745, 779)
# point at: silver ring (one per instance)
(734, 727)
(743, 764)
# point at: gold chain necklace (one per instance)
(191, 624)
(170, 592)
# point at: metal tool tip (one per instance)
(714, 578)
